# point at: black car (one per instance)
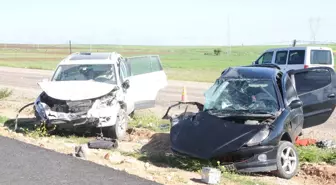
(252, 116)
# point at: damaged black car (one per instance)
(252, 116)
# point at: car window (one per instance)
(296, 57)
(144, 64)
(123, 70)
(320, 57)
(266, 58)
(241, 95)
(312, 80)
(281, 57)
(290, 90)
(83, 72)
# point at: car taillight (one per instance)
(305, 66)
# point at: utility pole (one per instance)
(70, 46)
(228, 35)
(294, 42)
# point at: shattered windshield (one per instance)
(256, 96)
(82, 72)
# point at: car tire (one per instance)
(119, 129)
(287, 160)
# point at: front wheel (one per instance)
(118, 130)
(287, 160)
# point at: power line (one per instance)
(313, 30)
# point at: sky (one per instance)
(162, 22)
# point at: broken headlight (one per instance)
(259, 137)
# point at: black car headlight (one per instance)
(259, 137)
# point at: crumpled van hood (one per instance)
(75, 90)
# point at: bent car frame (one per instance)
(252, 116)
(99, 89)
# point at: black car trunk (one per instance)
(206, 136)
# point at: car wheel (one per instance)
(287, 160)
(118, 130)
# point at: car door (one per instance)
(316, 87)
(146, 77)
(295, 118)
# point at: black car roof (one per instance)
(250, 72)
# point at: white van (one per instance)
(297, 57)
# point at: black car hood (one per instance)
(206, 136)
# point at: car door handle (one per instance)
(332, 95)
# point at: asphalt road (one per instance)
(28, 78)
(27, 164)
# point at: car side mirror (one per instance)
(295, 104)
(125, 84)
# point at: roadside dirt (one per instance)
(142, 140)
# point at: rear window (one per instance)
(320, 57)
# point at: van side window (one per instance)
(320, 57)
(296, 57)
(281, 57)
(266, 58)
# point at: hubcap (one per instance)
(288, 160)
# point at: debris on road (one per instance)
(305, 142)
(210, 175)
(81, 151)
(327, 143)
(103, 143)
(17, 115)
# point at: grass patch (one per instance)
(4, 93)
(149, 121)
(74, 139)
(314, 154)
(3, 119)
(191, 164)
(197, 63)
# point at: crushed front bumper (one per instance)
(252, 159)
(248, 159)
(95, 117)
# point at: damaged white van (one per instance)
(100, 89)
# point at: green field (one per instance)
(180, 63)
